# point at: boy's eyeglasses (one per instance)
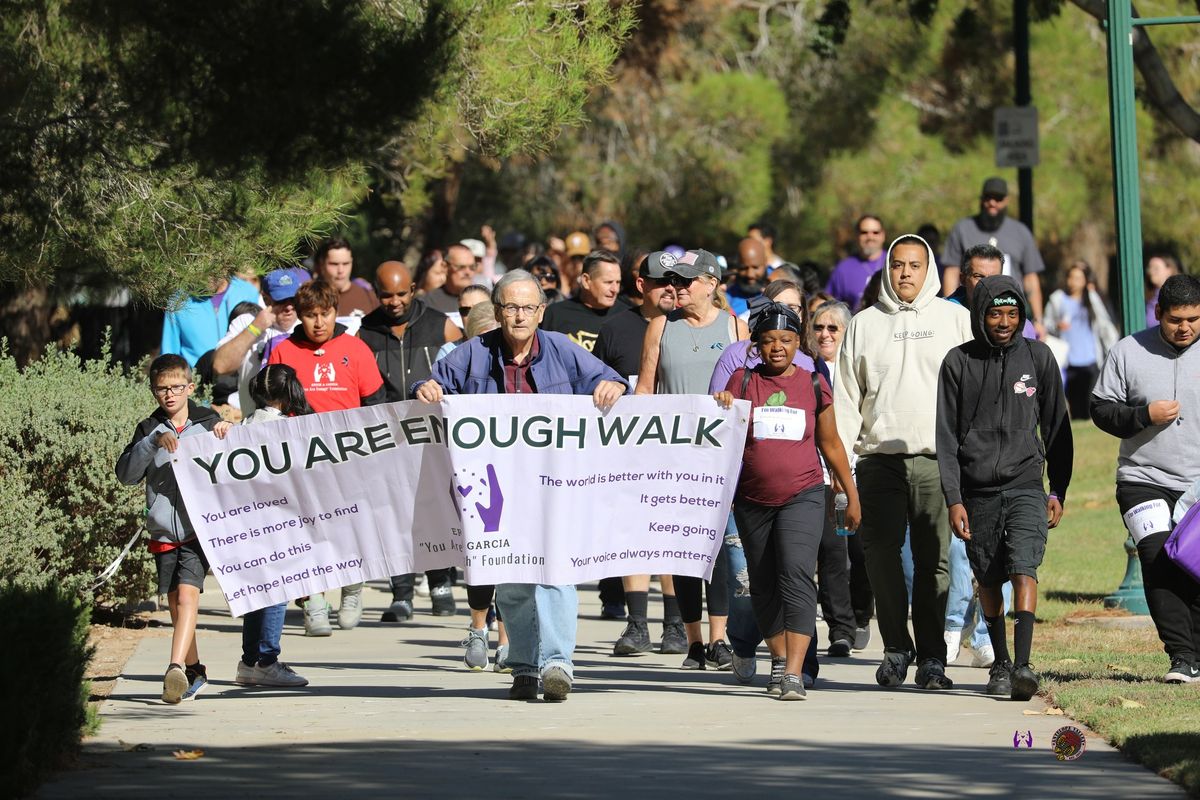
(174, 391)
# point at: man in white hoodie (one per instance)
(885, 398)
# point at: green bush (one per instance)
(42, 689)
(63, 514)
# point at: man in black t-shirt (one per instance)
(581, 316)
(620, 347)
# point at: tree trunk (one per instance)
(26, 320)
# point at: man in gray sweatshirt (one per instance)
(1149, 396)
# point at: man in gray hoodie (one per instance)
(1148, 395)
(885, 398)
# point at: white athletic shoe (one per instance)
(351, 609)
(985, 656)
(953, 645)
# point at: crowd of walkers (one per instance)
(908, 450)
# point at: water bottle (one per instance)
(840, 501)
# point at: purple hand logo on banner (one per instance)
(490, 514)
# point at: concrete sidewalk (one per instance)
(391, 709)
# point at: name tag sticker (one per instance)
(1146, 518)
(778, 422)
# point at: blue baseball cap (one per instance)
(281, 284)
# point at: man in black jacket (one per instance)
(405, 335)
(994, 394)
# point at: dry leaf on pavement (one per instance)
(188, 755)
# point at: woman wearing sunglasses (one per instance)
(828, 325)
(678, 356)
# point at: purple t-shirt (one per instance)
(850, 277)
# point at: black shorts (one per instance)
(1008, 534)
(185, 564)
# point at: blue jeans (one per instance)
(261, 630)
(961, 605)
(541, 621)
(742, 628)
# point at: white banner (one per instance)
(550, 490)
(546, 488)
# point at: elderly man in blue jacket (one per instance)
(520, 358)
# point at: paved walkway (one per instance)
(392, 710)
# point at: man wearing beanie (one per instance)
(885, 399)
(997, 395)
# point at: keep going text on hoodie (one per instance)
(885, 394)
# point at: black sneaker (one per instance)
(792, 688)
(1182, 671)
(1024, 683)
(862, 637)
(695, 657)
(719, 655)
(674, 639)
(840, 648)
(1000, 679)
(775, 682)
(635, 639)
(442, 600)
(398, 611)
(894, 668)
(932, 675)
(524, 687)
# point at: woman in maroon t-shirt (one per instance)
(780, 501)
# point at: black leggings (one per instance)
(833, 576)
(1080, 382)
(688, 592)
(479, 598)
(1172, 595)
(781, 544)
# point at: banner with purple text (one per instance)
(509, 488)
(550, 490)
(295, 507)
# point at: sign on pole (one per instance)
(1016, 133)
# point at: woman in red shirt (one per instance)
(780, 500)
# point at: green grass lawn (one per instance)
(1109, 679)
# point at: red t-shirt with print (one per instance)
(781, 452)
(336, 375)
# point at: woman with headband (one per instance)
(780, 512)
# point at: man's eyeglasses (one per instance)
(830, 328)
(174, 391)
(878, 232)
(510, 310)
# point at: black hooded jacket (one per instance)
(408, 360)
(991, 403)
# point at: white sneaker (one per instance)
(953, 645)
(985, 656)
(316, 617)
(350, 612)
(277, 674)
